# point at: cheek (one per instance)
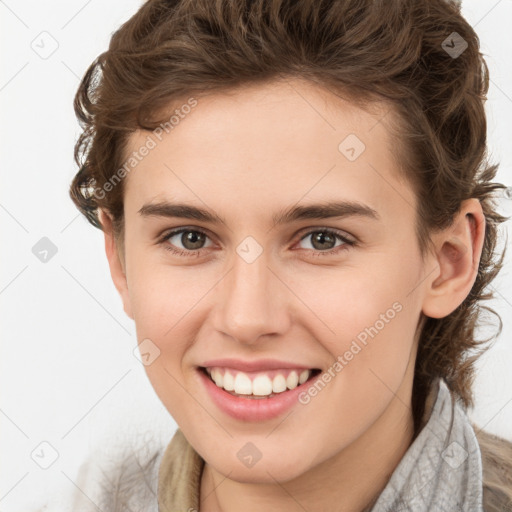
(382, 332)
(346, 301)
(368, 320)
(162, 295)
(163, 306)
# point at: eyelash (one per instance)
(188, 253)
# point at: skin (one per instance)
(247, 155)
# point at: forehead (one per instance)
(268, 146)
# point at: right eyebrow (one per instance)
(179, 210)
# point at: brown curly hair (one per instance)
(396, 51)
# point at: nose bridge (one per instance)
(249, 306)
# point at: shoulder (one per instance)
(128, 477)
(496, 471)
(115, 482)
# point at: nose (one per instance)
(251, 302)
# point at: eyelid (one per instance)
(346, 238)
(340, 232)
(301, 234)
(166, 233)
(305, 231)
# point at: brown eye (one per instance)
(321, 240)
(191, 240)
(324, 241)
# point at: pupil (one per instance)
(322, 237)
(192, 237)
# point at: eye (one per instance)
(191, 239)
(322, 240)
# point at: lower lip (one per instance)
(252, 409)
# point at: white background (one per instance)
(68, 373)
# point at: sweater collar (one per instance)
(441, 470)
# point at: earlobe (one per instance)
(458, 252)
(116, 265)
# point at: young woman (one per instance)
(298, 215)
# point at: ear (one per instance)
(116, 261)
(457, 257)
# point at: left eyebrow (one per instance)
(326, 210)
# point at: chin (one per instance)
(261, 461)
(262, 472)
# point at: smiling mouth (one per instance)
(258, 385)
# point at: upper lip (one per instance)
(254, 366)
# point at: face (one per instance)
(337, 290)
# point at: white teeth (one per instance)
(217, 377)
(229, 381)
(292, 380)
(279, 384)
(243, 385)
(261, 386)
(304, 376)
